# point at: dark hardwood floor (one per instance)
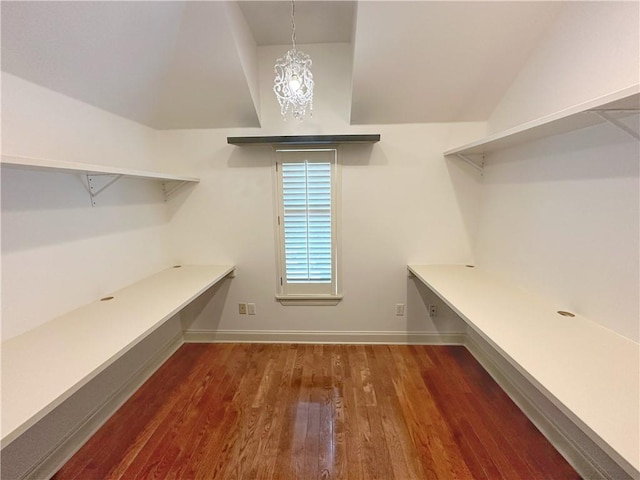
(318, 411)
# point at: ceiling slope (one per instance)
(206, 85)
(178, 64)
(162, 64)
(317, 21)
(437, 61)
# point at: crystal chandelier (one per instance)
(293, 85)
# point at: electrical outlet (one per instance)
(400, 309)
(433, 310)
(251, 308)
(242, 308)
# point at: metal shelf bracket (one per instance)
(98, 183)
(477, 166)
(604, 114)
(171, 187)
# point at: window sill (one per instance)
(316, 300)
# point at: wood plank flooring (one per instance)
(225, 411)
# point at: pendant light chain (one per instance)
(293, 23)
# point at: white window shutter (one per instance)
(307, 186)
(306, 197)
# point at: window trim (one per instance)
(283, 294)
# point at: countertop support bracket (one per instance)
(474, 164)
(98, 183)
(170, 187)
(604, 114)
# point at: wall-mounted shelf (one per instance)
(87, 169)
(99, 177)
(574, 118)
(303, 140)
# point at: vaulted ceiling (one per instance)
(165, 64)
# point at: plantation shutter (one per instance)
(306, 197)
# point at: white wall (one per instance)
(561, 216)
(57, 251)
(401, 202)
(592, 49)
(40, 123)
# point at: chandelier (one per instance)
(293, 85)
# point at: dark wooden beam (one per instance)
(303, 139)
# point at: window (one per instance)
(307, 227)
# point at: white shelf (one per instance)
(43, 367)
(574, 118)
(88, 169)
(588, 371)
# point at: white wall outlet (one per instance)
(251, 308)
(400, 309)
(242, 308)
(433, 310)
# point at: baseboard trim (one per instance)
(292, 336)
(583, 454)
(72, 442)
